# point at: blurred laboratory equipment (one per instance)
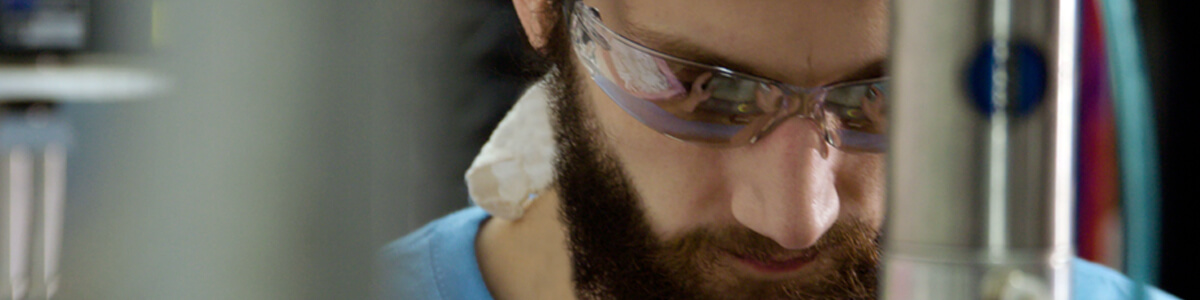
(1012, 168)
(39, 41)
(295, 138)
(984, 113)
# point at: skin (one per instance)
(789, 186)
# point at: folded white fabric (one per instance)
(516, 162)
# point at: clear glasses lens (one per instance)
(858, 113)
(709, 105)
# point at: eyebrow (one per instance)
(687, 50)
(681, 48)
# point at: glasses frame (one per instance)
(803, 99)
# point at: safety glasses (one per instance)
(716, 106)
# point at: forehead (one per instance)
(803, 42)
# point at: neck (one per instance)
(527, 258)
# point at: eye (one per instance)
(732, 89)
(860, 108)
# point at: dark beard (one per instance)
(615, 254)
(609, 239)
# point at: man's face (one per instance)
(785, 217)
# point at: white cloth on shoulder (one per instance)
(516, 162)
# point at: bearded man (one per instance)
(706, 149)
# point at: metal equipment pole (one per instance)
(981, 165)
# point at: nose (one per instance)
(782, 186)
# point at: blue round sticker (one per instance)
(1027, 78)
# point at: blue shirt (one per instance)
(437, 262)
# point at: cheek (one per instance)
(677, 190)
(861, 187)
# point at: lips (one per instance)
(775, 264)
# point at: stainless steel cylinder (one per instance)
(981, 157)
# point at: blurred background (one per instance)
(294, 138)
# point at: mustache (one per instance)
(851, 236)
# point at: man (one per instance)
(710, 149)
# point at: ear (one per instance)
(534, 19)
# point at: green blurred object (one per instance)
(1137, 142)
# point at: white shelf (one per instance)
(78, 83)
